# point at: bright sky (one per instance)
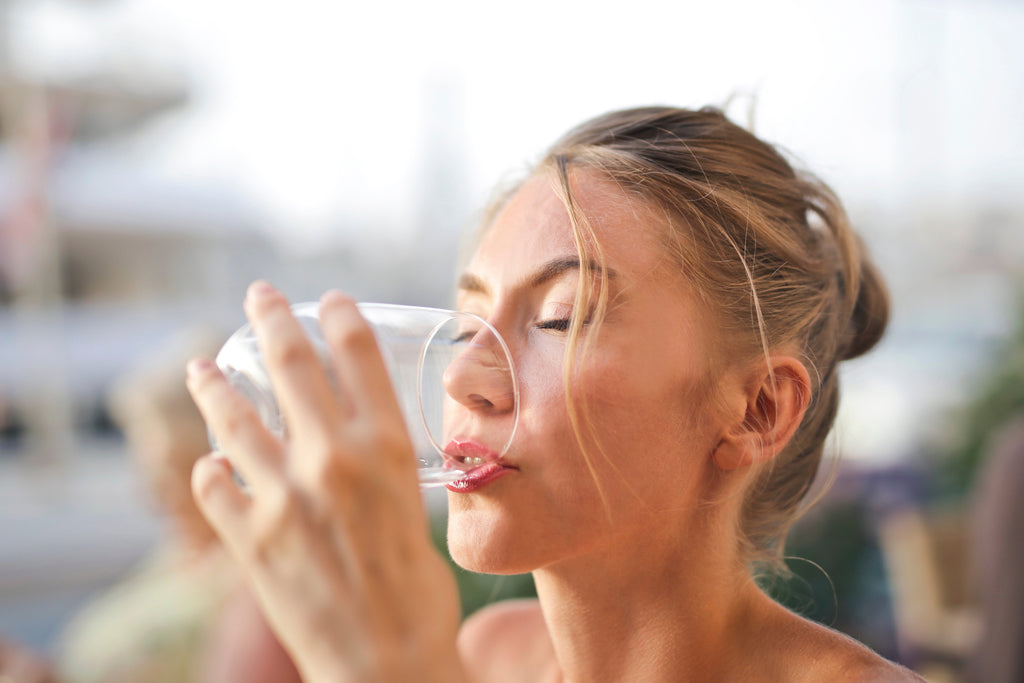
(319, 110)
(335, 119)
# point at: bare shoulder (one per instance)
(829, 655)
(507, 641)
(862, 665)
(869, 667)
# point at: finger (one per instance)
(360, 366)
(224, 505)
(254, 451)
(297, 374)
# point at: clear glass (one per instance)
(430, 354)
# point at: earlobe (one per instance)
(776, 399)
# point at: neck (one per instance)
(647, 613)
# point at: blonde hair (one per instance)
(769, 250)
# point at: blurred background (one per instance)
(157, 155)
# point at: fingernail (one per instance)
(199, 366)
(259, 289)
(335, 296)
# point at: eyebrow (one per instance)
(468, 282)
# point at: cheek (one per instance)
(542, 390)
(651, 422)
(620, 393)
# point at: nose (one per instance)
(480, 377)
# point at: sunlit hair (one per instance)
(770, 252)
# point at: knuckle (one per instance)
(234, 422)
(389, 435)
(352, 458)
(290, 352)
(204, 483)
(337, 467)
(278, 511)
(237, 415)
(354, 334)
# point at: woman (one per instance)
(676, 299)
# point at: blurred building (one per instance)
(100, 256)
(102, 259)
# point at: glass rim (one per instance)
(452, 315)
(446, 315)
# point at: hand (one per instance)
(332, 533)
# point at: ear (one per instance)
(773, 402)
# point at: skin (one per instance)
(345, 605)
(240, 646)
(635, 555)
(661, 532)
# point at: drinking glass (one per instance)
(419, 346)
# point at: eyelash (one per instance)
(557, 324)
(463, 337)
(554, 324)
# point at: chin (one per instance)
(486, 546)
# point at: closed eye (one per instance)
(464, 336)
(557, 324)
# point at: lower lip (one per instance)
(477, 478)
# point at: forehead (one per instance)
(534, 227)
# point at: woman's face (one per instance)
(642, 383)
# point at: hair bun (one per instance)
(870, 314)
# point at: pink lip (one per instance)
(477, 475)
(460, 449)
